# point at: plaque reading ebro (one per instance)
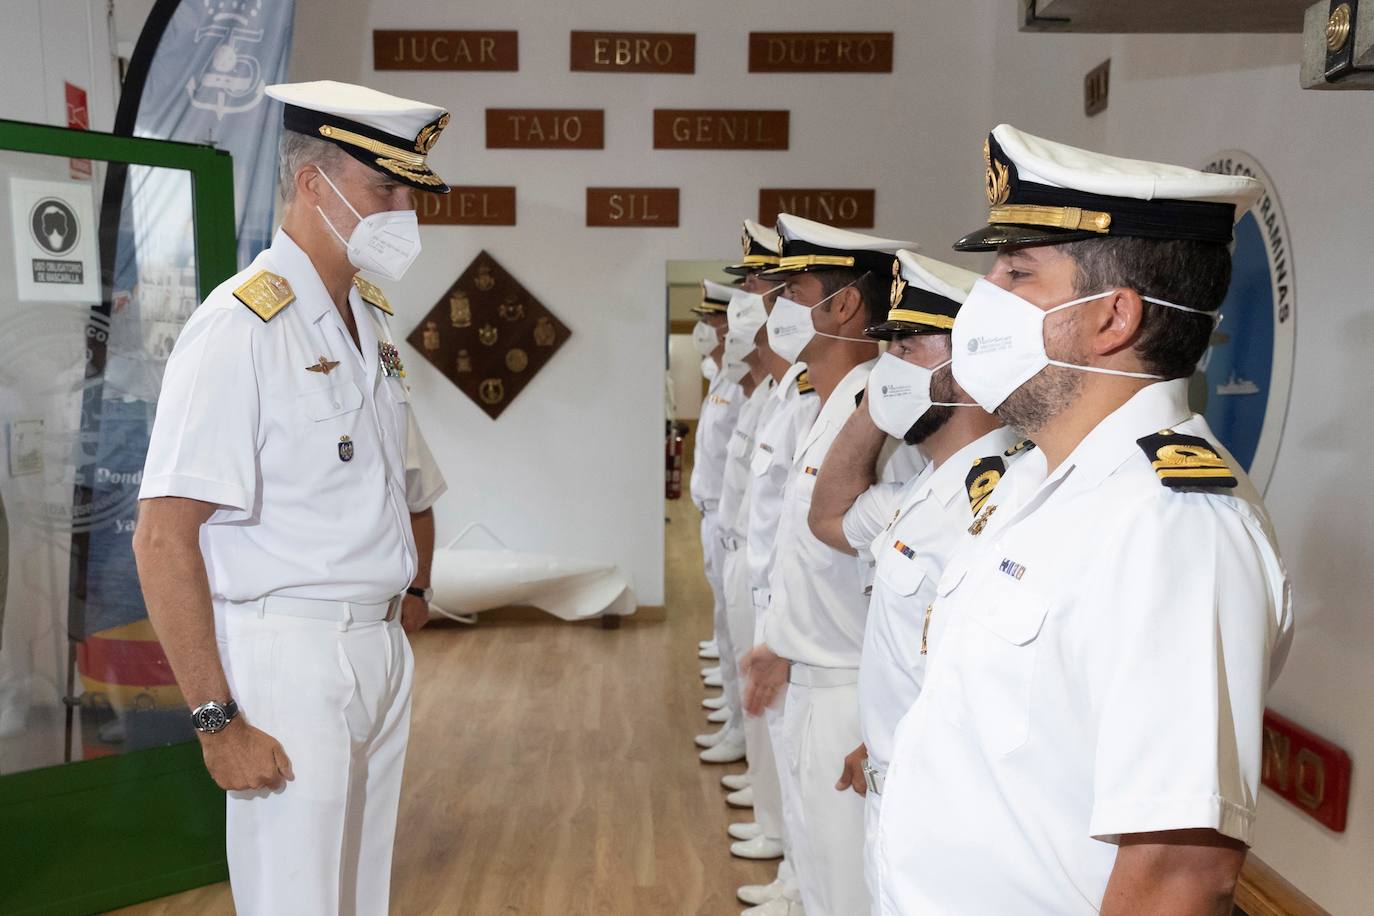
(634, 52)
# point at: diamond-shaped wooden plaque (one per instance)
(488, 335)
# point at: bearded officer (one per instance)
(285, 513)
(909, 528)
(1102, 644)
(838, 284)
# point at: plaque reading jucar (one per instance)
(488, 335)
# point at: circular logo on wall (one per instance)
(1243, 383)
(54, 226)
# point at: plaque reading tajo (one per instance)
(488, 335)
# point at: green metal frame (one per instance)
(90, 836)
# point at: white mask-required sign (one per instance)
(55, 253)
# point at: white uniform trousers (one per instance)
(337, 698)
(713, 559)
(873, 808)
(795, 854)
(822, 726)
(758, 746)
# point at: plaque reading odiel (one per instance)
(488, 335)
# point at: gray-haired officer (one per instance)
(285, 525)
(1088, 734)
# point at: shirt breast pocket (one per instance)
(324, 404)
(806, 483)
(1002, 633)
(762, 460)
(898, 573)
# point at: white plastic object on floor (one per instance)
(468, 580)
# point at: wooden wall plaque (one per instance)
(846, 208)
(634, 52)
(721, 128)
(632, 207)
(546, 128)
(489, 335)
(1307, 771)
(820, 52)
(394, 49)
(472, 205)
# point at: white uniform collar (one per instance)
(1113, 440)
(788, 378)
(291, 261)
(950, 478)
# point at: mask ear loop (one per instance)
(327, 221)
(1216, 320)
(832, 296)
(936, 369)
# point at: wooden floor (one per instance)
(551, 768)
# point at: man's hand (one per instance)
(766, 675)
(852, 776)
(414, 613)
(244, 758)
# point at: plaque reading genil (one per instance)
(632, 207)
(848, 208)
(431, 50)
(546, 128)
(820, 52)
(488, 335)
(728, 128)
(634, 52)
(472, 205)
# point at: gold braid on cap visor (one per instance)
(1051, 217)
(392, 158)
(943, 322)
(758, 260)
(801, 261)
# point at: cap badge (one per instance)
(998, 179)
(429, 134)
(898, 285)
(744, 240)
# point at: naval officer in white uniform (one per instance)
(909, 528)
(285, 526)
(838, 284)
(1087, 738)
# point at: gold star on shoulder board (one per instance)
(324, 366)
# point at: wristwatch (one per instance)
(425, 593)
(213, 717)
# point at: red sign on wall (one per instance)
(1309, 772)
(78, 116)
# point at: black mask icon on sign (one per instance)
(54, 226)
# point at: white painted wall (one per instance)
(45, 43)
(575, 464)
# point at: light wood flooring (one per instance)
(551, 768)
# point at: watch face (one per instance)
(213, 719)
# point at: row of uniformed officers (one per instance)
(995, 613)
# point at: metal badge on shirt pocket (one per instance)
(345, 448)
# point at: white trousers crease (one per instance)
(713, 557)
(338, 701)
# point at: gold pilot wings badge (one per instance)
(265, 294)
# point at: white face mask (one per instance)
(790, 327)
(745, 315)
(709, 369)
(385, 243)
(899, 394)
(704, 338)
(999, 342)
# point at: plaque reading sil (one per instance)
(488, 335)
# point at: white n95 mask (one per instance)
(744, 316)
(385, 243)
(790, 327)
(704, 338)
(899, 394)
(999, 342)
(709, 369)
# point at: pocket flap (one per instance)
(1011, 611)
(898, 573)
(324, 403)
(762, 460)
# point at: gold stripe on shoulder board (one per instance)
(265, 294)
(372, 295)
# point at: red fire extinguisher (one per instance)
(673, 450)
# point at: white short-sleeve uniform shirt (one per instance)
(1098, 662)
(315, 473)
(921, 522)
(719, 414)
